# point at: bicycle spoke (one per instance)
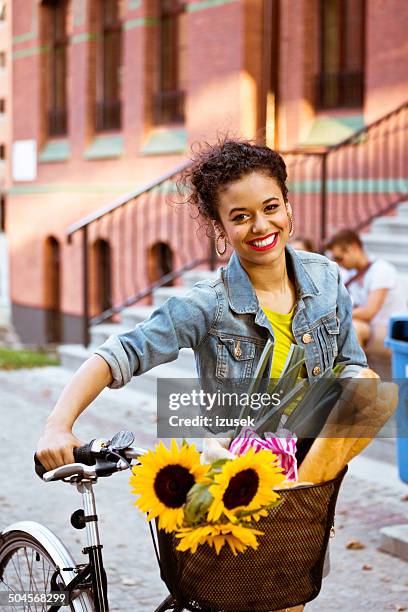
(32, 585)
(18, 572)
(27, 570)
(46, 578)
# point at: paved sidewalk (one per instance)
(371, 497)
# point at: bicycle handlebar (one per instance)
(94, 454)
(82, 454)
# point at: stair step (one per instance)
(384, 243)
(164, 293)
(100, 333)
(8, 336)
(192, 277)
(403, 209)
(390, 225)
(135, 314)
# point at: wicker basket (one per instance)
(286, 570)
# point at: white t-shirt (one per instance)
(380, 275)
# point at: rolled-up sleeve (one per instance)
(181, 322)
(350, 352)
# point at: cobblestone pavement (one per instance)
(364, 579)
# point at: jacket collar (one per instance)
(241, 294)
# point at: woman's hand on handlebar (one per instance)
(55, 447)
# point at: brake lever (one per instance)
(65, 471)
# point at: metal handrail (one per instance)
(367, 128)
(123, 200)
(107, 314)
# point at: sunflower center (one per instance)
(172, 484)
(241, 489)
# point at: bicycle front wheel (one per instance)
(34, 560)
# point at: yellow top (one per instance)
(284, 338)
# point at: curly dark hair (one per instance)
(215, 166)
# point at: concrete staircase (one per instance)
(73, 355)
(388, 239)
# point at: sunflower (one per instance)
(245, 485)
(162, 481)
(238, 537)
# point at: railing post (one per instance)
(85, 287)
(323, 200)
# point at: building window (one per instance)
(2, 105)
(57, 107)
(109, 69)
(340, 82)
(2, 59)
(170, 92)
(160, 262)
(102, 260)
(2, 152)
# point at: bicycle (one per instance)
(33, 560)
(37, 572)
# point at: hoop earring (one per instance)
(290, 217)
(292, 225)
(217, 250)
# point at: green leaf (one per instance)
(216, 466)
(199, 500)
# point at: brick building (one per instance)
(110, 95)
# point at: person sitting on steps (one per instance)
(374, 288)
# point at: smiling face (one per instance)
(254, 219)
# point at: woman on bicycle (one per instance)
(267, 291)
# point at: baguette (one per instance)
(370, 411)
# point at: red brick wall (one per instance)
(386, 57)
(215, 44)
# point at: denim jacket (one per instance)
(222, 321)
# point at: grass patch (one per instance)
(12, 359)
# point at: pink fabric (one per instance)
(283, 446)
